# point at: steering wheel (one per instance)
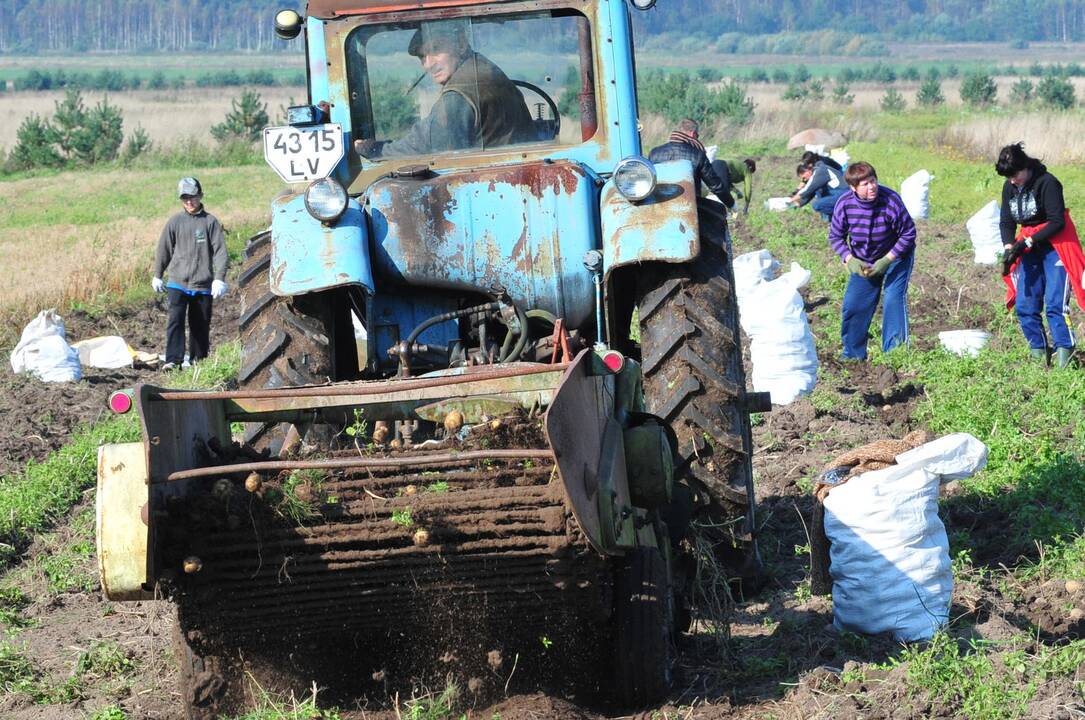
(546, 128)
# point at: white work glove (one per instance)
(157, 285)
(218, 288)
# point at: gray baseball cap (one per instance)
(189, 186)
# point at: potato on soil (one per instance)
(192, 565)
(453, 421)
(421, 537)
(253, 482)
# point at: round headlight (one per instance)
(635, 178)
(644, 4)
(326, 200)
(287, 24)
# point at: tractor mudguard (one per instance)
(307, 256)
(663, 227)
(122, 522)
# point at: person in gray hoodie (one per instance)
(192, 250)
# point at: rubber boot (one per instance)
(1038, 354)
(1062, 356)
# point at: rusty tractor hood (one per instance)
(524, 228)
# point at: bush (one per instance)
(892, 101)
(707, 74)
(978, 90)
(910, 73)
(841, 96)
(759, 75)
(395, 111)
(260, 77)
(795, 93)
(678, 95)
(933, 74)
(952, 71)
(801, 74)
(245, 121)
(930, 94)
(1056, 93)
(34, 145)
(87, 136)
(816, 90)
(1021, 92)
(138, 144)
(157, 81)
(882, 73)
(781, 76)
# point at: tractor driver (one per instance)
(478, 105)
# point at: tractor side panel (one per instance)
(663, 227)
(525, 228)
(307, 256)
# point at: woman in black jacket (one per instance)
(1033, 265)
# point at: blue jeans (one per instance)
(824, 205)
(1043, 290)
(861, 300)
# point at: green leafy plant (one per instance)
(104, 659)
(1022, 92)
(1056, 93)
(245, 121)
(930, 93)
(110, 712)
(892, 101)
(402, 517)
(979, 90)
(842, 94)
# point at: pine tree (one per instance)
(245, 121)
(930, 93)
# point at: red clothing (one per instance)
(1068, 246)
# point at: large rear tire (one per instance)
(691, 354)
(288, 341)
(202, 685)
(644, 628)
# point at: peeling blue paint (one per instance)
(307, 256)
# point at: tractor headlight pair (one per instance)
(635, 178)
(326, 200)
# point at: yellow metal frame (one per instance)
(122, 532)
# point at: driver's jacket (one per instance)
(478, 107)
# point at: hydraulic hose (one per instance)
(521, 341)
(445, 317)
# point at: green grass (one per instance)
(272, 707)
(44, 492)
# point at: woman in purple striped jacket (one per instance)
(874, 236)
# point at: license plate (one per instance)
(303, 154)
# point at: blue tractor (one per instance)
(491, 375)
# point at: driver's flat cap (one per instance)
(437, 36)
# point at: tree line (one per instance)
(28, 26)
(958, 20)
(247, 25)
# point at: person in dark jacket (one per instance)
(1040, 245)
(192, 250)
(822, 185)
(684, 144)
(478, 106)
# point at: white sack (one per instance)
(777, 204)
(985, 234)
(841, 156)
(915, 192)
(773, 316)
(711, 151)
(889, 554)
(753, 268)
(109, 352)
(43, 351)
(49, 358)
(964, 342)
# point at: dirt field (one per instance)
(785, 661)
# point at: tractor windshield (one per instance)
(469, 84)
